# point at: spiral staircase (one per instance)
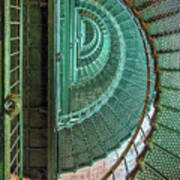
(140, 63)
(159, 19)
(110, 100)
(110, 62)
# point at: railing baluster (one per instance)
(15, 23)
(15, 38)
(113, 176)
(14, 85)
(14, 158)
(126, 166)
(14, 69)
(16, 169)
(15, 143)
(135, 148)
(15, 53)
(14, 130)
(15, 7)
(143, 133)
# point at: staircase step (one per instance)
(143, 3)
(170, 79)
(170, 98)
(166, 25)
(167, 139)
(66, 160)
(147, 173)
(169, 61)
(160, 44)
(169, 117)
(164, 164)
(160, 9)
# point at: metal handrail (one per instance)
(139, 127)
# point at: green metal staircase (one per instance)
(161, 160)
(162, 20)
(99, 118)
(109, 63)
(104, 83)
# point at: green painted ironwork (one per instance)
(1, 115)
(159, 19)
(100, 62)
(162, 162)
(100, 89)
(12, 89)
(99, 73)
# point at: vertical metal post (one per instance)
(1, 117)
(83, 33)
(1, 95)
(6, 89)
(21, 86)
(57, 53)
(79, 33)
(64, 46)
(73, 43)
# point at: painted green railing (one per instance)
(12, 64)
